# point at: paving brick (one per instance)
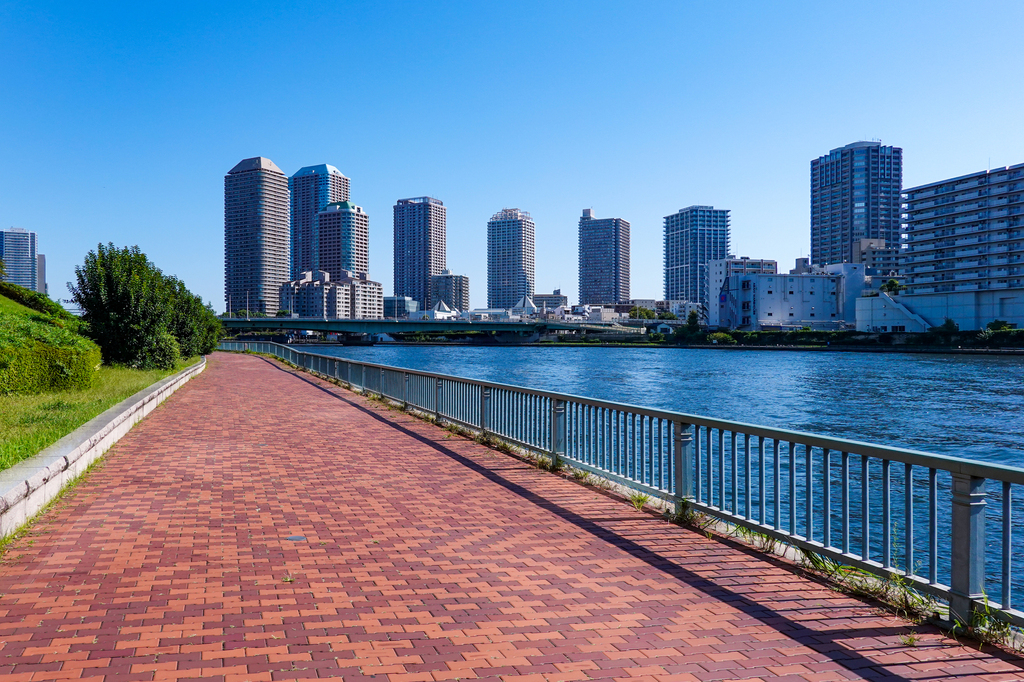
(427, 557)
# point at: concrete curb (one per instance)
(28, 486)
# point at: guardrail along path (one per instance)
(265, 525)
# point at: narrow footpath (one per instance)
(265, 525)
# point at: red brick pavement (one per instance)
(426, 557)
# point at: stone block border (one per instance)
(29, 485)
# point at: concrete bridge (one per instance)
(264, 524)
(361, 327)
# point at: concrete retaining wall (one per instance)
(28, 486)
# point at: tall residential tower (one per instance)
(312, 188)
(420, 244)
(855, 195)
(510, 257)
(343, 239)
(603, 259)
(256, 235)
(694, 237)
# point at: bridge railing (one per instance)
(941, 525)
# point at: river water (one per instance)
(962, 405)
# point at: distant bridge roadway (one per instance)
(413, 326)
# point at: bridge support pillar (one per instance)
(682, 462)
(967, 570)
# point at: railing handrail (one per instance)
(948, 463)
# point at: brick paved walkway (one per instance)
(425, 557)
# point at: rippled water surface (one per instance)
(969, 406)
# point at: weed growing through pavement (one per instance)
(288, 579)
(639, 499)
(909, 639)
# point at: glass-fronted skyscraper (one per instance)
(256, 236)
(18, 252)
(603, 259)
(855, 194)
(420, 246)
(343, 239)
(312, 188)
(694, 236)
(510, 257)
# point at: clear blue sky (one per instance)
(118, 122)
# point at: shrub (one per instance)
(721, 338)
(35, 300)
(133, 310)
(36, 356)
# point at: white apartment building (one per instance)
(353, 297)
(964, 255)
(510, 257)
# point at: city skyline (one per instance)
(152, 104)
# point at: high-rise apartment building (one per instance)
(966, 234)
(343, 239)
(694, 236)
(510, 257)
(603, 259)
(420, 244)
(452, 289)
(18, 252)
(312, 188)
(256, 235)
(855, 194)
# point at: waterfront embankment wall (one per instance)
(30, 485)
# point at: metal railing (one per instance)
(943, 525)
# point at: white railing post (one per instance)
(485, 406)
(405, 390)
(437, 398)
(683, 463)
(967, 569)
(558, 429)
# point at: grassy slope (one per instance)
(29, 423)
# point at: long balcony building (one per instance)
(18, 251)
(343, 239)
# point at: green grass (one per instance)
(9, 306)
(29, 423)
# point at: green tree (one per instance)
(693, 322)
(721, 338)
(3, 270)
(892, 287)
(667, 316)
(997, 325)
(640, 313)
(124, 300)
(283, 313)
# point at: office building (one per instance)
(399, 307)
(510, 257)
(41, 285)
(452, 289)
(312, 188)
(603, 259)
(256, 236)
(694, 236)
(18, 251)
(964, 255)
(549, 302)
(825, 299)
(420, 243)
(343, 239)
(855, 194)
(723, 268)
